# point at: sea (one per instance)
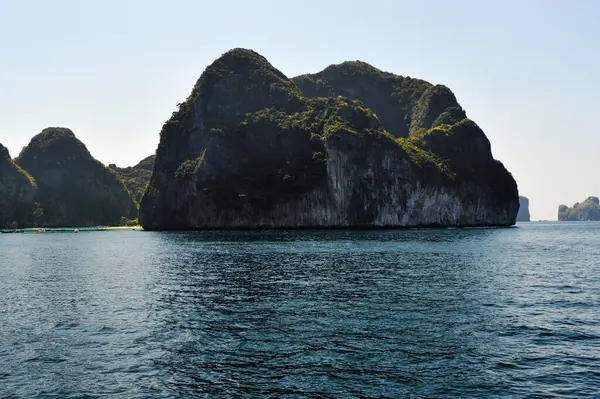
(417, 313)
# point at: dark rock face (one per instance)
(17, 191)
(250, 148)
(137, 177)
(74, 189)
(523, 215)
(581, 211)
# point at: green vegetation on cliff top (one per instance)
(256, 90)
(403, 104)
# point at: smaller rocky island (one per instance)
(587, 210)
(55, 182)
(70, 187)
(523, 214)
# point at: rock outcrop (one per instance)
(137, 177)
(74, 189)
(581, 211)
(17, 191)
(523, 214)
(250, 148)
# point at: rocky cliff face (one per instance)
(74, 189)
(523, 215)
(17, 191)
(137, 177)
(251, 148)
(581, 211)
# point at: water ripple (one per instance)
(319, 314)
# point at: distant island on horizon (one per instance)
(523, 214)
(587, 210)
(351, 146)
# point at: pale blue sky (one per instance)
(525, 70)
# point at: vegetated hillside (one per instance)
(73, 189)
(137, 177)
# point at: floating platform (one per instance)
(66, 229)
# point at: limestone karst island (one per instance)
(523, 214)
(350, 146)
(587, 210)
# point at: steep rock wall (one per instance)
(247, 150)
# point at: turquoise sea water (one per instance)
(413, 313)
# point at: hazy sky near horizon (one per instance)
(113, 71)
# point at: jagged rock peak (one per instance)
(146, 163)
(236, 65)
(244, 60)
(53, 133)
(436, 106)
(355, 68)
(238, 83)
(53, 143)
